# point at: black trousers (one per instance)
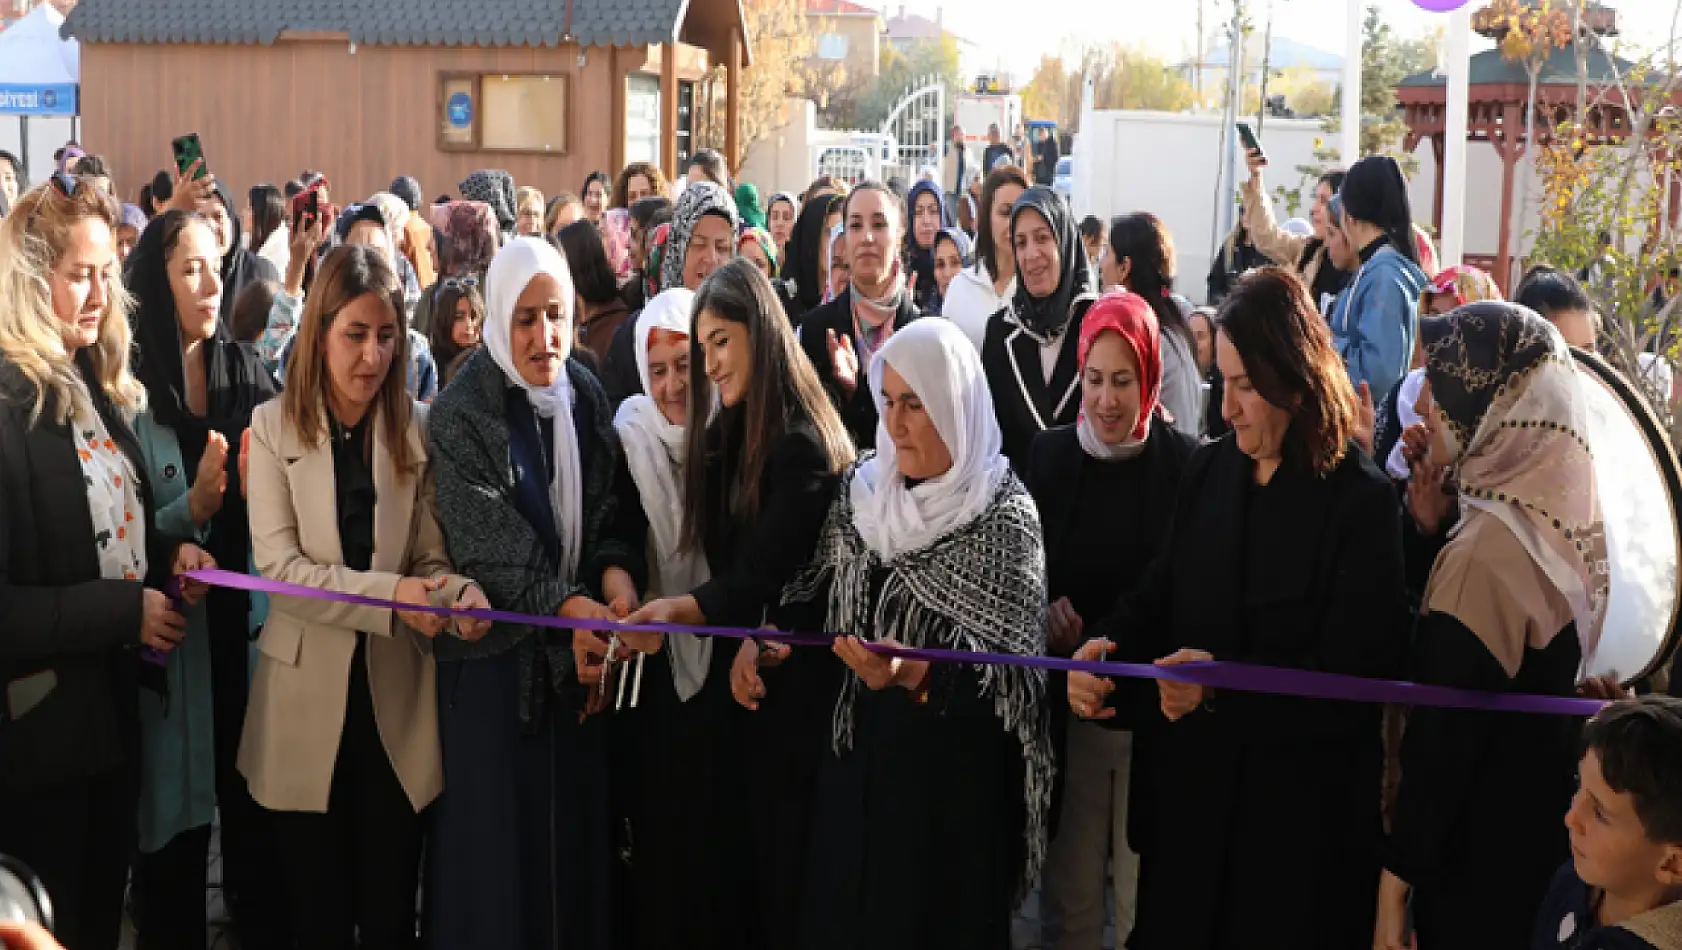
(353, 872)
(77, 837)
(169, 888)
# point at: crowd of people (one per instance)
(849, 410)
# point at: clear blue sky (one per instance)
(1018, 31)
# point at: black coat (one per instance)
(1257, 816)
(1025, 403)
(57, 615)
(858, 411)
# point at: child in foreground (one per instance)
(1622, 889)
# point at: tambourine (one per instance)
(1640, 488)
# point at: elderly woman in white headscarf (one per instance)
(931, 813)
(526, 461)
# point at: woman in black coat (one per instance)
(1105, 489)
(841, 336)
(758, 480)
(81, 567)
(1029, 348)
(1257, 816)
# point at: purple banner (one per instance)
(1218, 674)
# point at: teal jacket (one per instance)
(177, 749)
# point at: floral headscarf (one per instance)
(761, 237)
(494, 187)
(467, 237)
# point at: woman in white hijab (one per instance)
(526, 460)
(932, 808)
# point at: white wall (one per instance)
(46, 135)
(782, 160)
(1167, 164)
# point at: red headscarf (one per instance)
(1128, 314)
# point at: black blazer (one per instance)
(858, 411)
(1025, 403)
(57, 615)
(1327, 595)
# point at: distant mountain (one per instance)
(1286, 53)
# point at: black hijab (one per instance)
(806, 247)
(239, 266)
(919, 261)
(1049, 316)
(1375, 191)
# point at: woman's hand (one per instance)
(1428, 499)
(1416, 443)
(621, 593)
(472, 629)
(1179, 698)
(161, 628)
(1605, 686)
(845, 360)
(419, 591)
(1255, 161)
(877, 671)
(190, 193)
(745, 685)
(31, 936)
(204, 499)
(1088, 693)
(680, 610)
(1366, 419)
(588, 646)
(188, 558)
(302, 246)
(1066, 627)
(1390, 931)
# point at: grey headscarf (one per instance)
(409, 190)
(495, 188)
(698, 200)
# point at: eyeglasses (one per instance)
(461, 283)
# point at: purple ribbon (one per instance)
(1219, 674)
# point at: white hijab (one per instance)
(511, 270)
(1407, 394)
(654, 454)
(940, 365)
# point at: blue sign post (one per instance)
(58, 99)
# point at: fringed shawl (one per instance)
(980, 588)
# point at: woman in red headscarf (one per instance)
(1104, 486)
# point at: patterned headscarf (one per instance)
(495, 188)
(656, 254)
(616, 240)
(1508, 392)
(761, 237)
(467, 237)
(700, 199)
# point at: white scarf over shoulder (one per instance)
(513, 268)
(936, 360)
(654, 454)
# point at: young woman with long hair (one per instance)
(458, 328)
(601, 311)
(269, 237)
(758, 478)
(1375, 319)
(1140, 257)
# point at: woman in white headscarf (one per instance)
(526, 459)
(932, 809)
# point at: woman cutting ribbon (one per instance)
(932, 809)
(520, 857)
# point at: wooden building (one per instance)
(365, 90)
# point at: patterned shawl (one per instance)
(1508, 392)
(495, 188)
(698, 200)
(980, 588)
(467, 237)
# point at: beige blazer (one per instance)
(300, 689)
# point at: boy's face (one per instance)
(1609, 846)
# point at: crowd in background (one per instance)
(945, 413)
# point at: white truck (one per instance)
(987, 104)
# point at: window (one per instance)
(502, 112)
(832, 46)
(642, 118)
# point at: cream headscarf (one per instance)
(942, 367)
(654, 454)
(511, 270)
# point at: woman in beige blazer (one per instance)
(341, 738)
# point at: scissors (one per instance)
(609, 662)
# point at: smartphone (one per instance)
(1251, 144)
(188, 150)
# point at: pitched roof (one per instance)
(380, 22)
(1488, 68)
(839, 8)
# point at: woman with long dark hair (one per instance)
(201, 389)
(1375, 318)
(269, 237)
(978, 292)
(601, 311)
(1141, 258)
(1285, 550)
(457, 329)
(934, 798)
(842, 336)
(1306, 254)
(1031, 349)
(758, 479)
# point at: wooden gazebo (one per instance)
(1498, 96)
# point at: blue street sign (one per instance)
(38, 100)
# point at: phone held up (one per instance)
(1251, 144)
(188, 150)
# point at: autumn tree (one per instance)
(1123, 78)
(1305, 92)
(1385, 61)
(781, 44)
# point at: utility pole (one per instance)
(1197, 64)
(1266, 69)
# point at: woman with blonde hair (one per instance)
(82, 568)
(341, 737)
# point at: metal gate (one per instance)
(917, 126)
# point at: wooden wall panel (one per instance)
(268, 112)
